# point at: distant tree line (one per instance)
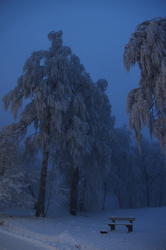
(141, 179)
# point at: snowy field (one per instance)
(83, 231)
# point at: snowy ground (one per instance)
(83, 231)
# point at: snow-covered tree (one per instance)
(65, 106)
(44, 83)
(98, 164)
(146, 104)
(89, 132)
(12, 174)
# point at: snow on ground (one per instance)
(83, 231)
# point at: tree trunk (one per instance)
(33, 195)
(161, 192)
(105, 193)
(119, 197)
(74, 192)
(147, 196)
(130, 198)
(41, 198)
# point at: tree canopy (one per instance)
(146, 105)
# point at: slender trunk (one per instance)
(74, 192)
(130, 198)
(49, 198)
(33, 195)
(82, 195)
(41, 198)
(147, 196)
(161, 192)
(147, 188)
(105, 193)
(119, 197)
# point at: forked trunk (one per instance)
(41, 198)
(74, 192)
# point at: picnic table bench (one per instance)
(128, 224)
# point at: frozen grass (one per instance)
(83, 231)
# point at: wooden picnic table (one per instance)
(128, 224)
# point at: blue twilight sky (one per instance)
(96, 31)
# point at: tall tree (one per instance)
(65, 106)
(98, 163)
(90, 130)
(146, 104)
(45, 85)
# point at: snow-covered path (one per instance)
(83, 231)
(9, 241)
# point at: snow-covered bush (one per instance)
(12, 174)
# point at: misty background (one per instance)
(96, 31)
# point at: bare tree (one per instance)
(146, 104)
(151, 164)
